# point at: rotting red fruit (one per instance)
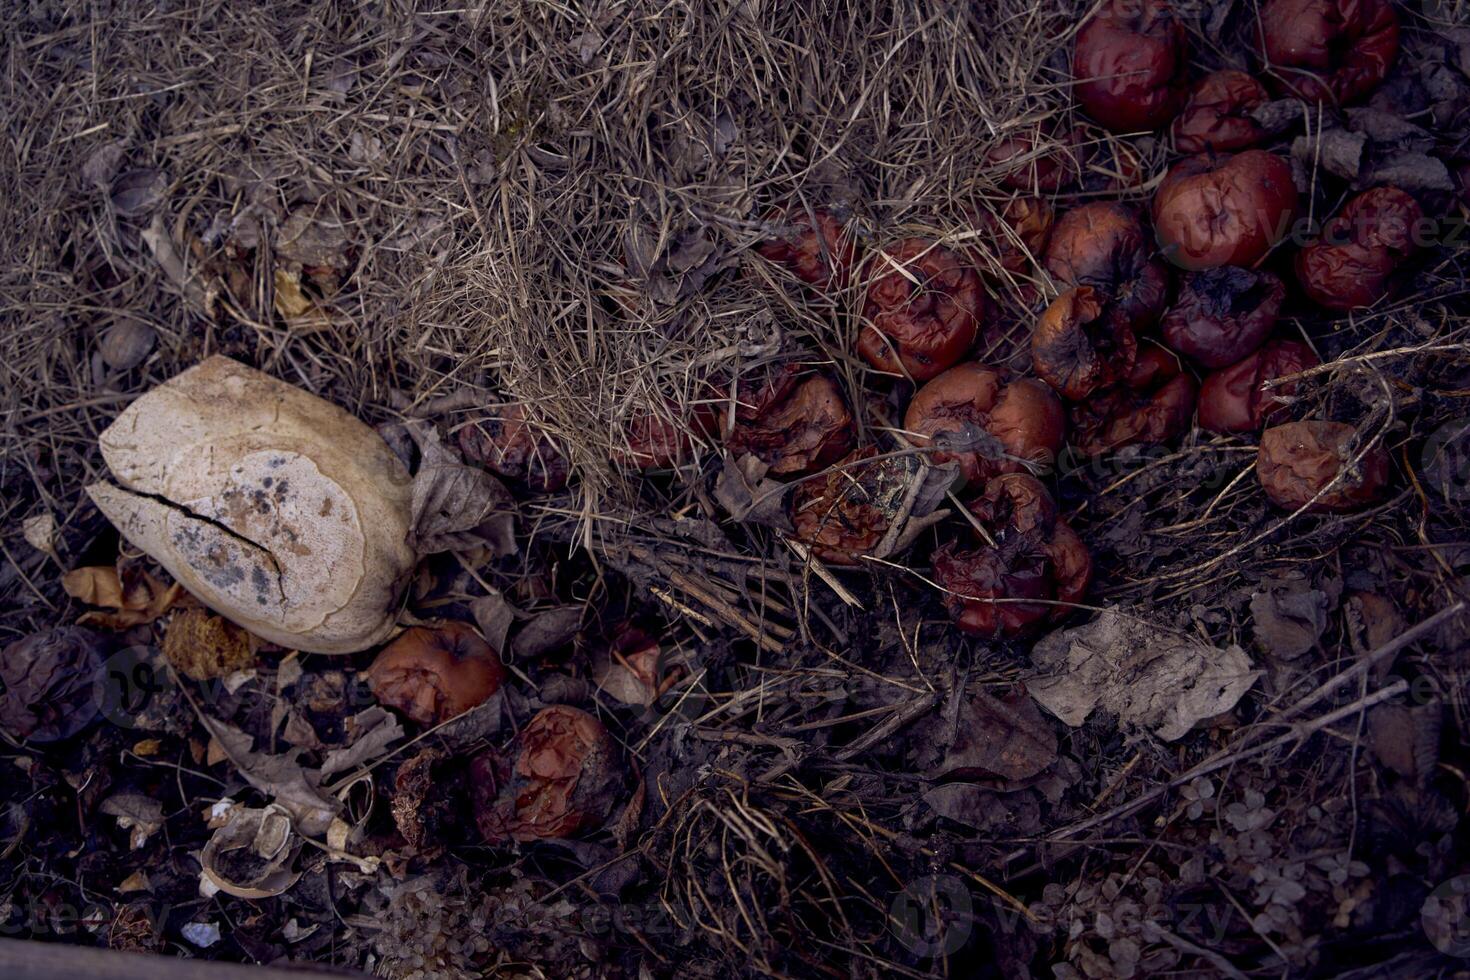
(433, 674)
(656, 441)
(1015, 239)
(1329, 50)
(566, 778)
(796, 422)
(49, 682)
(1129, 64)
(1153, 405)
(813, 245)
(1037, 556)
(1046, 170)
(1353, 263)
(845, 513)
(1103, 244)
(1234, 399)
(1082, 344)
(1223, 314)
(506, 443)
(1024, 418)
(1298, 460)
(924, 308)
(1224, 210)
(1218, 114)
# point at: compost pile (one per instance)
(740, 488)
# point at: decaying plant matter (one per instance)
(1353, 263)
(1129, 64)
(1236, 399)
(433, 674)
(971, 402)
(1103, 244)
(1324, 465)
(923, 310)
(795, 421)
(1082, 344)
(1036, 556)
(1153, 404)
(1212, 211)
(1223, 314)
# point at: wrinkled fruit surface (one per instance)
(1299, 459)
(813, 245)
(923, 309)
(1129, 64)
(1217, 116)
(1103, 244)
(1227, 210)
(1233, 399)
(1154, 405)
(795, 422)
(563, 777)
(47, 683)
(1352, 264)
(971, 403)
(1329, 50)
(506, 443)
(1223, 314)
(432, 674)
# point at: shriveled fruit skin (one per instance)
(563, 776)
(433, 674)
(814, 246)
(1299, 459)
(1217, 114)
(1329, 50)
(796, 423)
(1045, 171)
(845, 514)
(1153, 405)
(1014, 239)
(922, 316)
(1233, 399)
(1102, 244)
(1023, 416)
(1224, 210)
(274, 507)
(507, 443)
(1037, 556)
(1223, 314)
(1082, 344)
(1128, 64)
(1353, 263)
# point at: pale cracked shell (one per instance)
(275, 508)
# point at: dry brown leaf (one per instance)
(1007, 738)
(1147, 676)
(134, 596)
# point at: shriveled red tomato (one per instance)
(971, 401)
(1037, 556)
(562, 777)
(924, 309)
(432, 674)
(1082, 344)
(796, 421)
(1103, 244)
(812, 244)
(1299, 460)
(1234, 399)
(1329, 50)
(1153, 405)
(1129, 64)
(1223, 314)
(1217, 115)
(1227, 210)
(511, 445)
(1354, 261)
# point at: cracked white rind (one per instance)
(275, 508)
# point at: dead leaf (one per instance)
(137, 192)
(280, 777)
(1405, 738)
(1146, 676)
(371, 731)
(40, 533)
(301, 312)
(1288, 617)
(749, 496)
(457, 507)
(142, 815)
(1006, 738)
(100, 167)
(124, 344)
(985, 810)
(547, 630)
(135, 596)
(494, 615)
(313, 239)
